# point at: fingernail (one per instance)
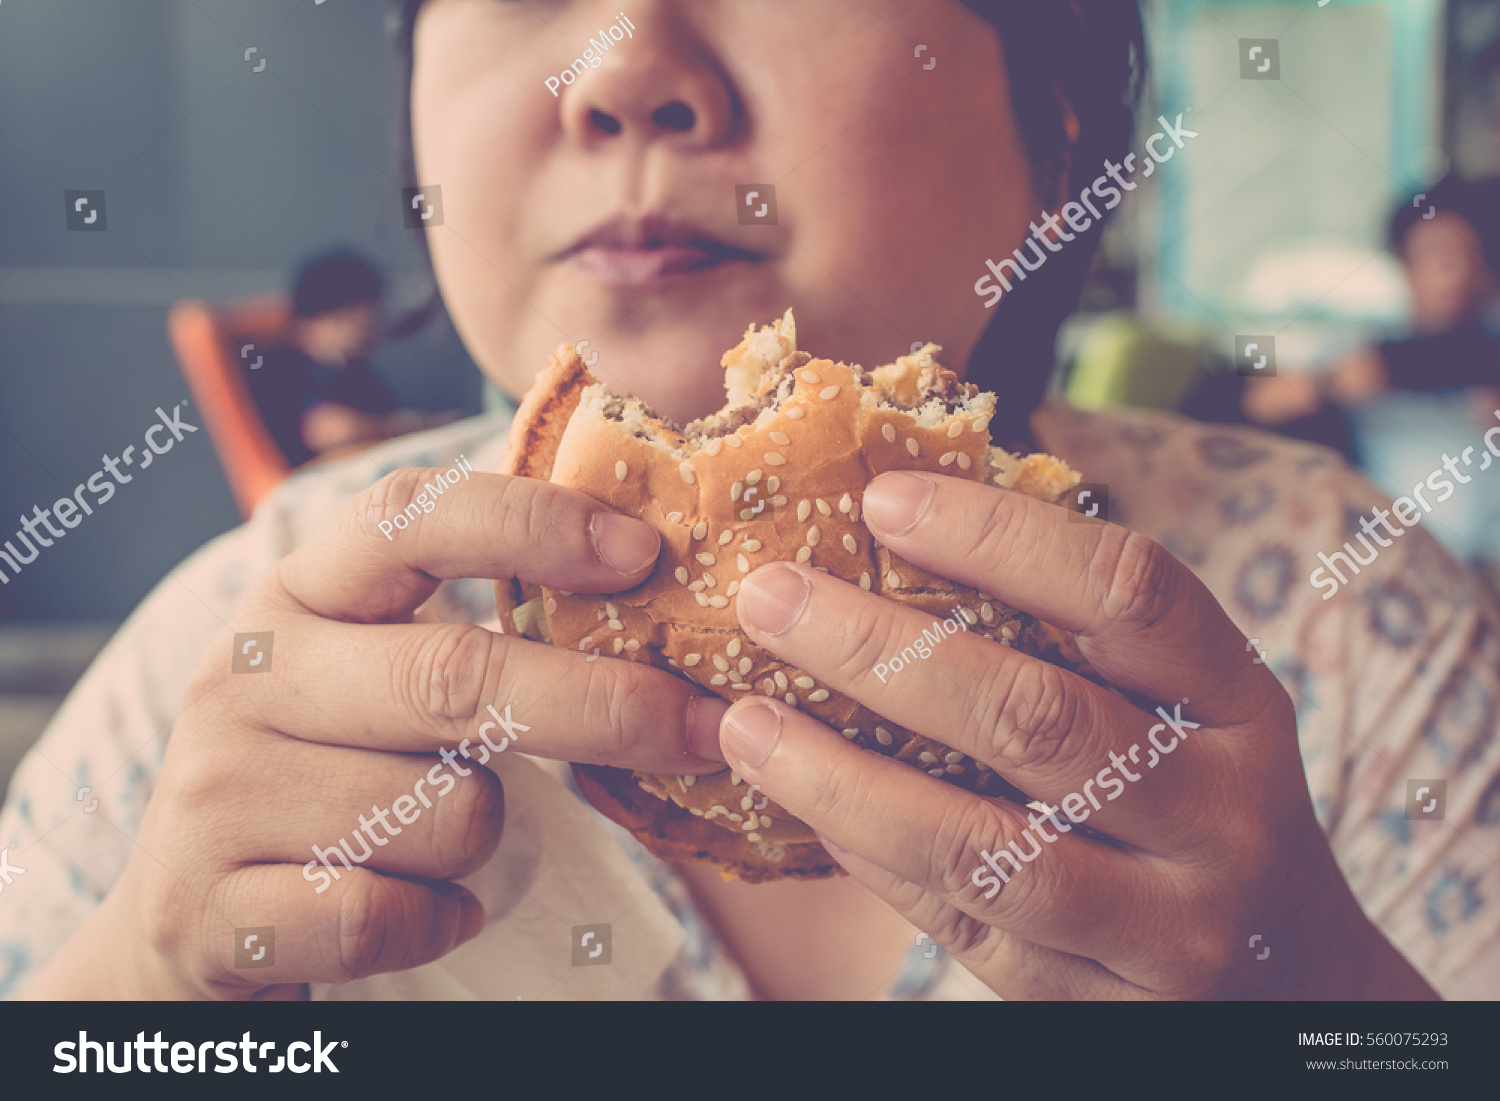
(752, 732)
(703, 715)
(626, 545)
(895, 502)
(773, 598)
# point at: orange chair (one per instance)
(200, 336)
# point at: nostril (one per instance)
(674, 116)
(608, 123)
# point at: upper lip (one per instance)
(655, 231)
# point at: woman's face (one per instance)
(1446, 271)
(609, 211)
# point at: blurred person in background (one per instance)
(316, 390)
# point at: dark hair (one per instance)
(1076, 68)
(332, 281)
(1475, 201)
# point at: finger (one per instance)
(1050, 732)
(456, 688)
(1009, 965)
(1142, 619)
(405, 815)
(1070, 893)
(488, 525)
(366, 924)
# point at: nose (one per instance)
(649, 92)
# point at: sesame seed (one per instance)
(955, 769)
(692, 660)
(804, 682)
(981, 424)
(780, 679)
(1008, 633)
(889, 432)
(779, 501)
(819, 696)
(751, 545)
(698, 586)
(773, 483)
(952, 757)
(598, 613)
(812, 378)
(706, 558)
(986, 612)
(713, 447)
(780, 438)
(695, 810)
(765, 820)
(689, 781)
(719, 601)
(892, 580)
(849, 544)
(752, 836)
(721, 663)
(621, 470)
(746, 803)
(708, 581)
(823, 506)
(740, 686)
(686, 470)
(700, 529)
(854, 512)
(804, 510)
(775, 458)
(850, 732)
(744, 665)
(955, 430)
(844, 502)
(803, 555)
(681, 575)
(883, 736)
(746, 513)
(964, 462)
(911, 445)
(969, 617)
(752, 477)
(732, 588)
(733, 441)
(927, 758)
(791, 699)
(735, 491)
(743, 563)
(794, 413)
(768, 686)
(733, 649)
(864, 581)
(984, 595)
(725, 536)
(619, 644)
(934, 772)
(734, 778)
(947, 459)
(632, 645)
(813, 535)
(551, 606)
(828, 393)
(616, 625)
(674, 517)
(702, 600)
(718, 679)
(611, 611)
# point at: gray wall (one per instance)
(218, 179)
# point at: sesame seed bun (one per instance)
(776, 475)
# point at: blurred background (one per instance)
(234, 138)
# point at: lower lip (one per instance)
(639, 267)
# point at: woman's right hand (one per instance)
(361, 709)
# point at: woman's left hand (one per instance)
(1202, 872)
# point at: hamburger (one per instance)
(776, 474)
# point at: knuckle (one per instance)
(1140, 579)
(845, 794)
(451, 670)
(393, 494)
(1025, 704)
(871, 630)
(985, 542)
(529, 516)
(985, 828)
(372, 910)
(465, 835)
(617, 710)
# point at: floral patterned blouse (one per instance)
(1396, 681)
